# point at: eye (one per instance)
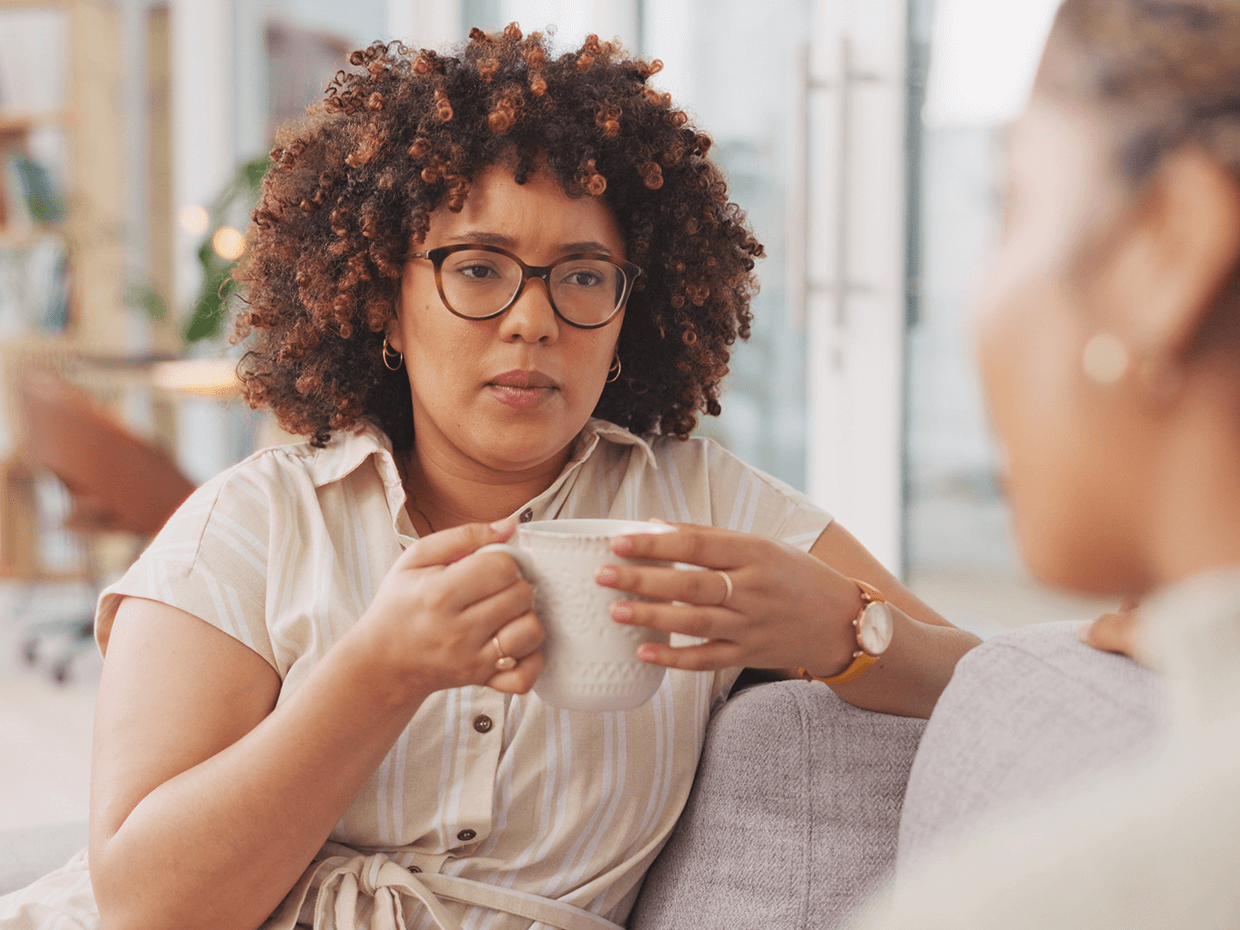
(583, 277)
(476, 271)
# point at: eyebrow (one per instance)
(473, 237)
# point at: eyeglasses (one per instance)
(479, 282)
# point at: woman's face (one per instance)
(1072, 456)
(507, 394)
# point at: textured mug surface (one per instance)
(590, 660)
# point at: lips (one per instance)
(526, 380)
(522, 389)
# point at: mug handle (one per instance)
(525, 562)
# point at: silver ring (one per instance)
(505, 663)
(727, 580)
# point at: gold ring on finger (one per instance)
(505, 662)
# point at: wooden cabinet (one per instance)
(68, 183)
(62, 224)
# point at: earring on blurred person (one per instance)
(1105, 359)
(613, 372)
(392, 360)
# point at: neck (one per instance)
(443, 493)
(1196, 509)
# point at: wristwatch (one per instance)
(875, 627)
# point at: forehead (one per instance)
(538, 212)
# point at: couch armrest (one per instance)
(31, 853)
(1026, 714)
(793, 817)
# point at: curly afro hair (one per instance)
(353, 185)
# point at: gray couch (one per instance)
(804, 804)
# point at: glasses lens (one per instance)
(477, 284)
(587, 290)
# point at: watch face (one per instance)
(875, 628)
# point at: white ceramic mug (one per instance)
(590, 660)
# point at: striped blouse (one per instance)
(285, 550)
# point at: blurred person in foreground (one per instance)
(489, 285)
(1109, 338)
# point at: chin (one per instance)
(518, 447)
(1073, 559)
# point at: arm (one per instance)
(788, 609)
(208, 800)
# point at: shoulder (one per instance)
(275, 486)
(697, 480)
(720, 466)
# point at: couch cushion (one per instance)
(1026, 714)
(793, 816)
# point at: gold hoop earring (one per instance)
(388, 354)
(613, 372)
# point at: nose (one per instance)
(531, 318)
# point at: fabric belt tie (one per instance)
(370, 892)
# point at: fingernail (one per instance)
(503, 527)
(622, 612)
(606, 575)
(622, 545)
(647, 652)
(1082, 631)
(657, 520)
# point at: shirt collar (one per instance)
(597, 430)
(348, 450)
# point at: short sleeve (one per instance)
(702, 482)
(209, 560)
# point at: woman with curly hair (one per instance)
(490, 287)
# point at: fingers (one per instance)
(1118, 632)
(705, 657)
(518, 639)
(450, 546)
(668, 584)
(694, 545)
(691, 620)
(518, 680)
(500, 608)
(725, 633)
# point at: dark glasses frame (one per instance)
(436, 257)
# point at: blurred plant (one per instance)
(222, 248)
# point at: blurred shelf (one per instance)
(14, 121)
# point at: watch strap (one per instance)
(856, 668)
(862, 660)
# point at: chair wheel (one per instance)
(60, 671)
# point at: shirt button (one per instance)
(414, 868)
(483, 723)
(466, 835)
(527, 515)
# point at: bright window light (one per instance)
(983, 59)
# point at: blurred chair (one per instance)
(117, 482)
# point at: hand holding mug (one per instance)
(591, 662)
(761, 603)
(441, 610)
